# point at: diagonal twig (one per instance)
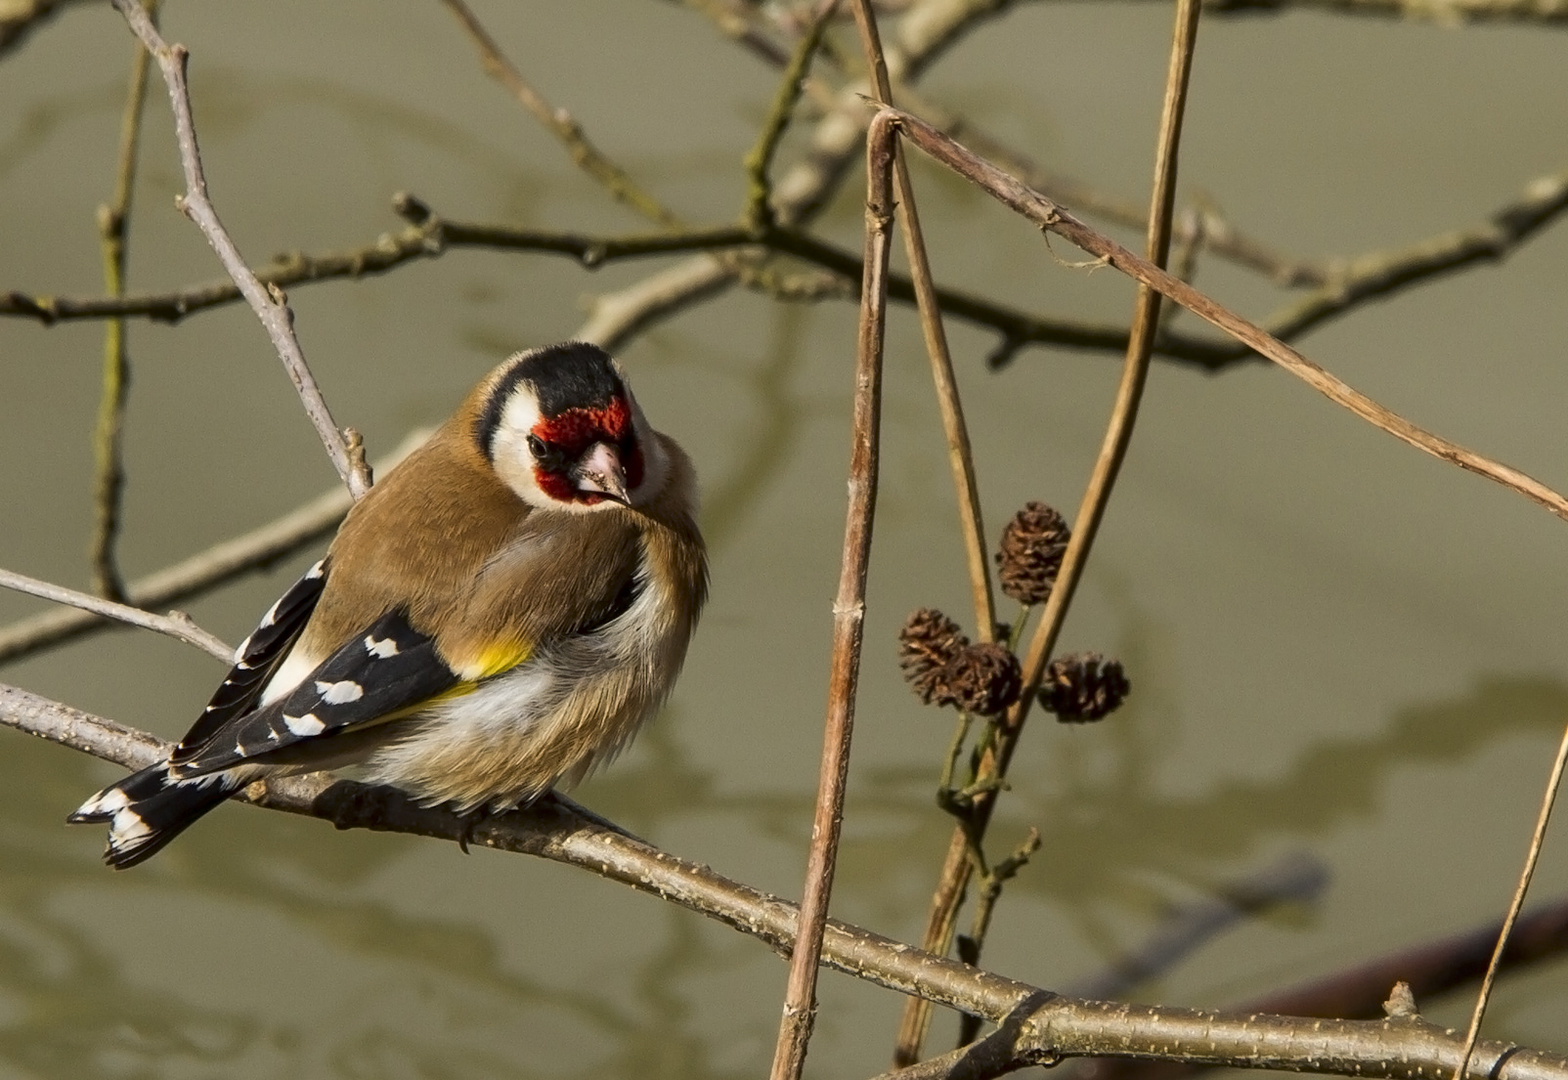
(269, 304)
(960, 454)
(1050, 217)
(559, 122)
(1532, 856)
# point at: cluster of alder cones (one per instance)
(984, 678)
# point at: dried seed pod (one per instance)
(1031, 551)
(927, 644)
(984, 679)
(1083, 687)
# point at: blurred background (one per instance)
(1337, 645)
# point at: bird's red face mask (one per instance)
(588, 455)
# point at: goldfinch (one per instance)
(497, 616)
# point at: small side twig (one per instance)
(849, 613)
(990, 891)
(560, 123)
(113, 223)
(176, 624)
(268, 303)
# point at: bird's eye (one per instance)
(536, 446)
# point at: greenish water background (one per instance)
(1336, 644)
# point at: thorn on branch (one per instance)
(1401, 1003)
(361, 476)
(1004, 352)
(411, 208)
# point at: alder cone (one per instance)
(1030, 556)
(984, 679)
(927, 644)
(1084, 687)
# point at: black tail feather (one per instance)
(148, 809)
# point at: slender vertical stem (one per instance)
(957, 867)
(268, 302)
(1537, 838)
(959, 453)
(113, 222)
(849, 610)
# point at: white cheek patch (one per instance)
(338, 693)
(509, 453)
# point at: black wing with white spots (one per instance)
(257, 658)
(388, 671)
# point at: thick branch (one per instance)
(1041, 1026)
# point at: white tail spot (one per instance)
(381, 648)
(304, 726)
(338, 693)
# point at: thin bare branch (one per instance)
(805, 188)
(759, 159)
(1532, 856)
(1036, 1025)
(175, 624)
(1048, 216)
(849, 614)
(1443, 12)
(960, 455)
(428, 237)
(269, 304)
(957, 867)
(261, 547)
(1210, 231)
(1355, 281)
(560, 123)
(113, 224)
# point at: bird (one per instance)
(496, 617)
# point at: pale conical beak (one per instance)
(599, 472)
